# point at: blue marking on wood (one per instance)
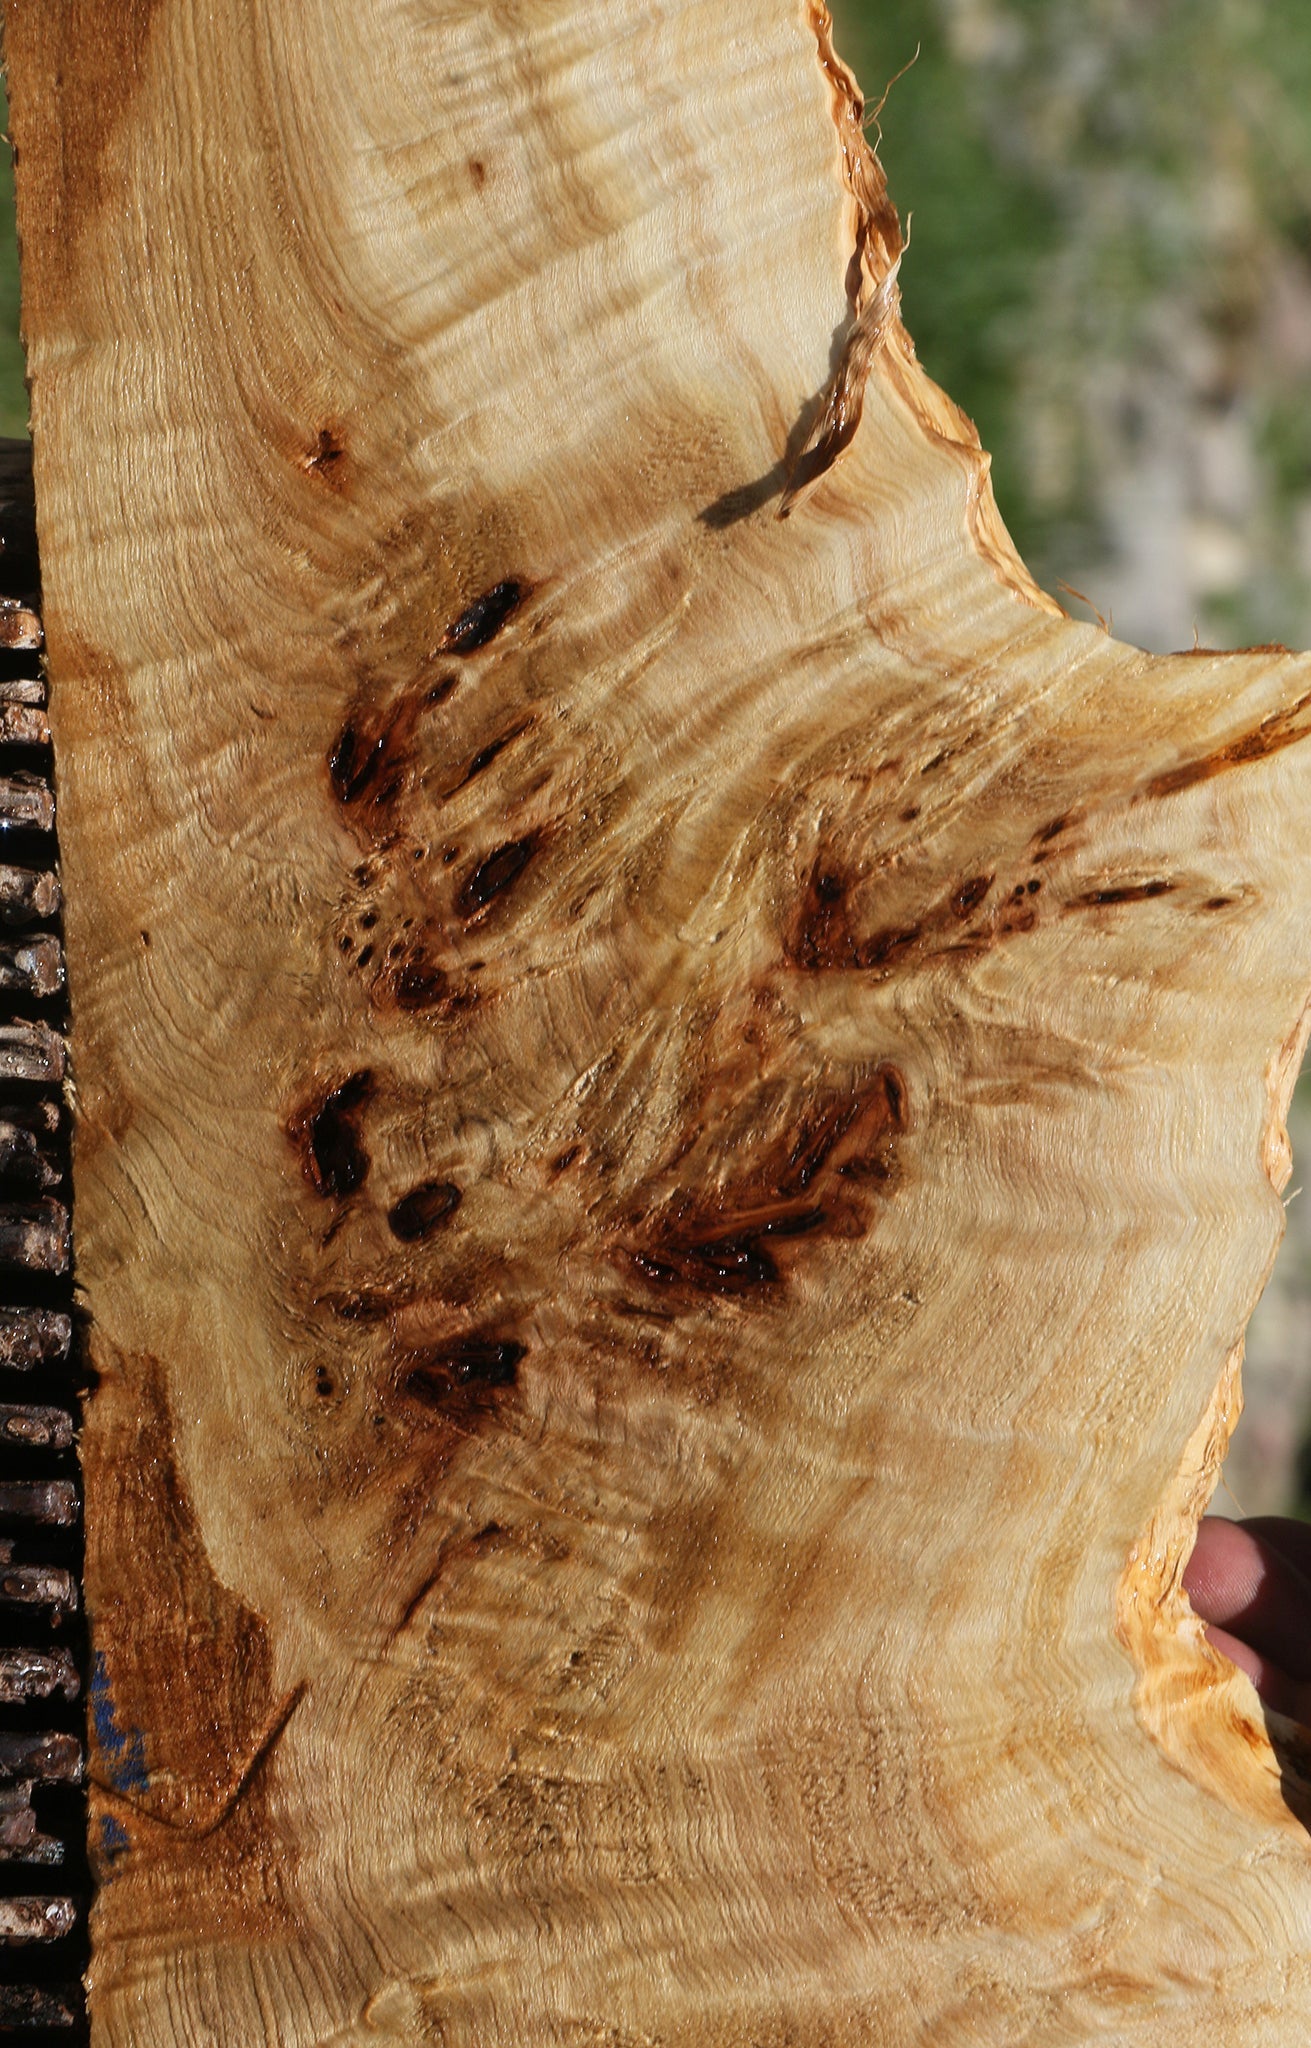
(123, 1750)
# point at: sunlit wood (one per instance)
(679, 1109)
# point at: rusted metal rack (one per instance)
(44, 1879)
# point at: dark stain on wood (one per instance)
(820, 936)
(355, 758)
(1053, 829)
(192, 1695)
(413, 981)
(364, 1304)
(370, 755)
(494, 874)
(881, 947)
(1277, 730)
(485, 756)
(482, 620)
(735, 1264)
(76, 78)
(424, 1209)
(815, 1184)
(465, 1374)
(1129, 892)
(969, 895)
(326, 1133)
(325, 457)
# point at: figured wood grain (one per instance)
(679, 1111)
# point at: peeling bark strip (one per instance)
(871, 278)
(575, 1239)
(844, 401)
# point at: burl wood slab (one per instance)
(679, 1110)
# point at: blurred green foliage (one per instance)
(1110, 269)
(1111, 204)
(1103, 189)
(981, 227)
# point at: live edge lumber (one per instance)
(679, 1110)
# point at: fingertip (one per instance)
(1226, 1570)
(1249, 1661)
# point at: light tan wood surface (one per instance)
(678, 1109)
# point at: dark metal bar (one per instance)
(34, 1237)
(27, 804)
(37, 1675)
(41, 1938)
(19, 626)
(25, 1163)
(36, 1585)
(24, 725)
(32, 966)
(27, 894)
(35, 1429)
(54, 1759)
(34, 1336)
(28, 2006)
(21, 1840)
(36, 1919)
(31, 1051)
(51, 1501)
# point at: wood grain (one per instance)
(679, 1110)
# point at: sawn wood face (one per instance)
(678, 1109)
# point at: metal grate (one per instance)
(44, 1879)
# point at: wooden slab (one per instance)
(679, 1110)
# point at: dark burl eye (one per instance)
(423, 1210)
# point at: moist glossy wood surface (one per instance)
(679, 1110)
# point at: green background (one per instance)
(1091, 180)
(1060, 158)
